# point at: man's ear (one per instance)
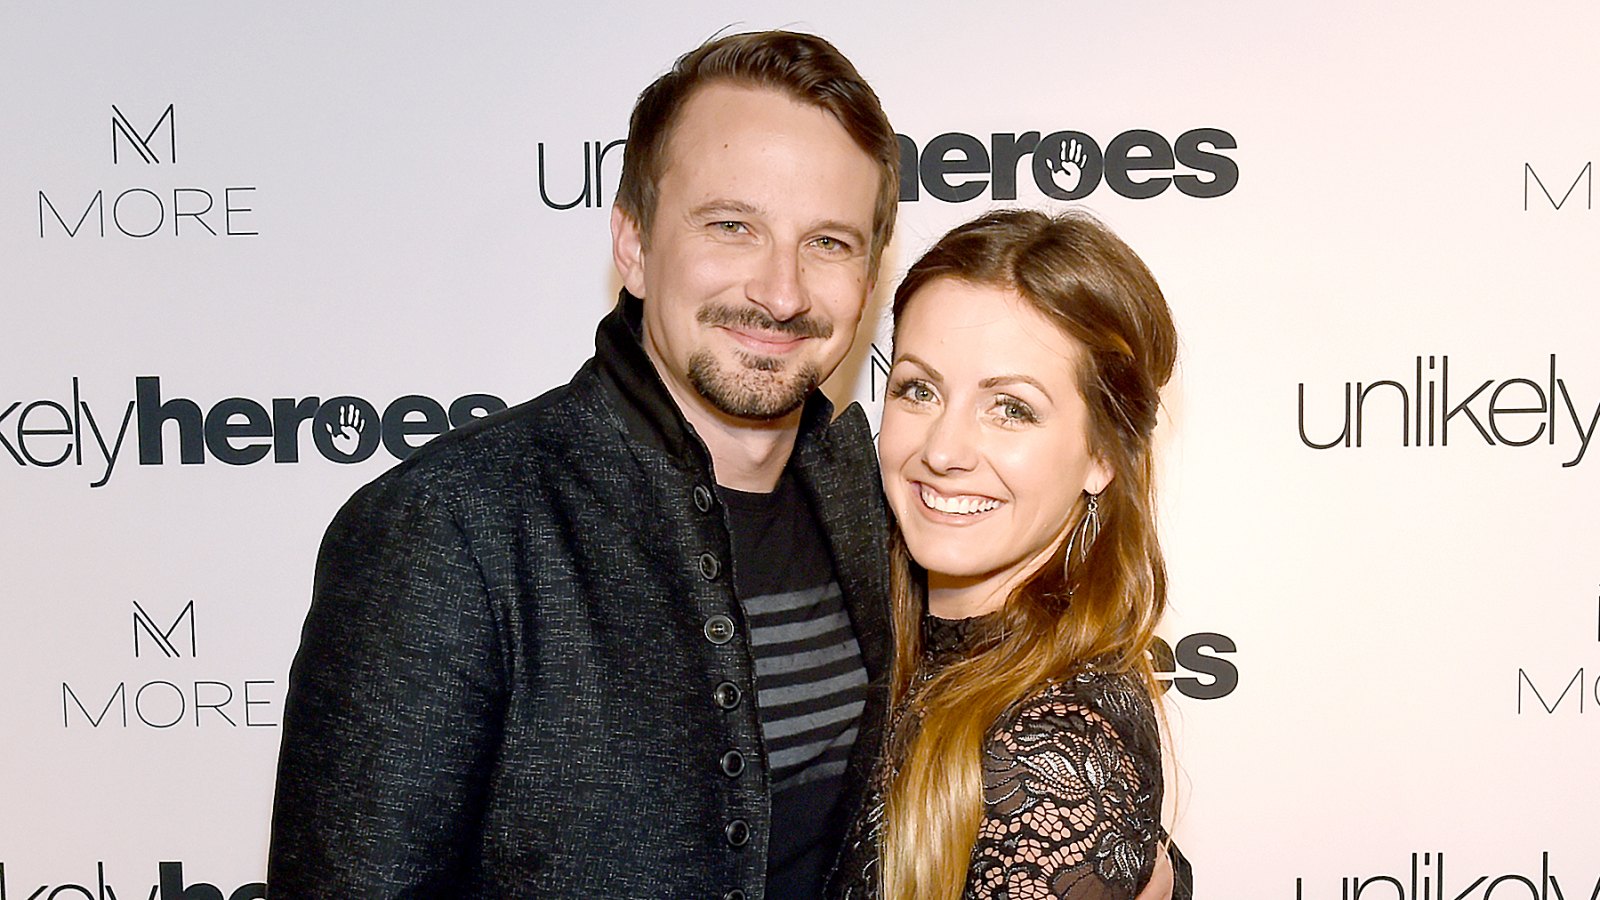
(627, 251)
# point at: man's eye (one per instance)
(831, 244)
(729, 227)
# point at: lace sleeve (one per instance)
(1072, 796)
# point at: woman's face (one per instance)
(984, 446)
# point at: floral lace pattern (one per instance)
(1072, 793)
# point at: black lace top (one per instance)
(1072, 792)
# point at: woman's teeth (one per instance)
(964, 505)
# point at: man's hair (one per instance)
(803, 66)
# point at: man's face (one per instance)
(754, 273)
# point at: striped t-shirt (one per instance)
(810, 681)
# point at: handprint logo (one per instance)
(1066, 165)
(345, 431)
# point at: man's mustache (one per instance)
(754, 318)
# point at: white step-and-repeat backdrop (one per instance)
(254, 253)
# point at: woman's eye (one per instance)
(1014, 410)
(914, 390)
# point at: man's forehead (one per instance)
(730, 121)
(724, 109)
(710, 108)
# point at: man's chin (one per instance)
(756, 388)
(756, 406)
(754, 394)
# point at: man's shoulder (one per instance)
(837, 460)
(850, 427)
(508, 451)
(844, 441)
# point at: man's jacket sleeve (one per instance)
(393, 710)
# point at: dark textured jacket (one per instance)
(518, 677)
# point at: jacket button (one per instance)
(710, 566)
(702, 498)
(719, 629)
(732, 763)
(734, 894)
(737, 832)
(726, 694)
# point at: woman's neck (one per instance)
(965, 596)
(952, 597)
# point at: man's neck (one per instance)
(746, 455)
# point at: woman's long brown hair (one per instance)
(1101, 610)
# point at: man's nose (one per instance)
(776, 284)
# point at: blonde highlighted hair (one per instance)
(1100, 611)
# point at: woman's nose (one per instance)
(951, 444)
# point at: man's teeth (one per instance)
(960, 506)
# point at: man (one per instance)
(617, 641)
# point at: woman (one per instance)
(1024, 754)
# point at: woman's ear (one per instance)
(1100, 475)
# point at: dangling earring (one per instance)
(1088, 528)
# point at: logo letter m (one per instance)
(123, 131)
(143, 624)
(1586, 176)
(1522, 677)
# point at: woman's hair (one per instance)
(1096, 610)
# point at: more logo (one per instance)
(146, 211)
(161, 703)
